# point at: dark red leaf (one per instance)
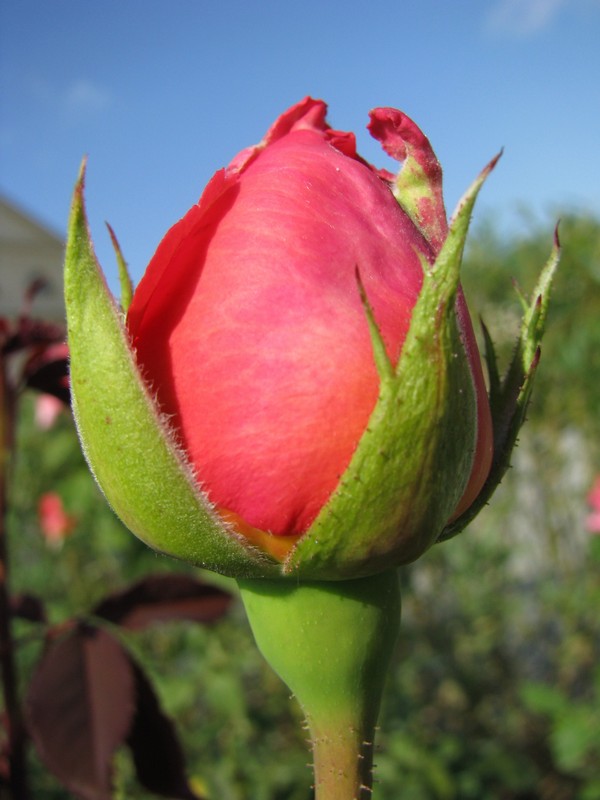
(155, 747)
(80, 707)
(47, 370)
(27, 332)
(29, 607)
(161, 598)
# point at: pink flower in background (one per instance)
(54, 521)
(47, 410)
(592, 521)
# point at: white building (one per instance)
(29, 251)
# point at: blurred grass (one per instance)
(495, 688)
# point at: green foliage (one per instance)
(233, 714)
(567, 387)
(496, 687)
(494, 693)
(97, 555)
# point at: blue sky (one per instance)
(161, 93)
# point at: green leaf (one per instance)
(128, 444)
(543, 699)
(575, 739)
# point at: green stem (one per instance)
(331, 643)
(342, 759)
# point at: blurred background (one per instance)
(495, 692)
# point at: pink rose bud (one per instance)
(249, 325)
(295, 389)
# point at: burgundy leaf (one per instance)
(29, 607)
(161, 598)
(26, 333)
(80, 707)
(155, 747)
(47, 370)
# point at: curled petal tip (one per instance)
(418, 186)
(396, 132)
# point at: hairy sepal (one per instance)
(413, 462)
(510, 395)
(128, 445)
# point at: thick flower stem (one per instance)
(331, 643)
(342, 759)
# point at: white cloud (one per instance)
(523, 17)
(84, 97)
(73, 102)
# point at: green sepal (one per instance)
(412, 463)
(124, 276)
(385, 367)
(126, 441)
(510, 396)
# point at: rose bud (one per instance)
(296, 389)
